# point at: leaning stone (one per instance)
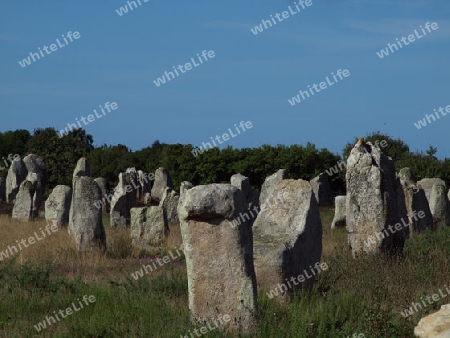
(287, 236)
(36, 164)
(82, 168)
(23, 206)
(57, 205)
(371, 206)
(339, 212)
(17, 172)
(322, 190)
(221, 278)
(435, 325)
(162, 181)
(85, 219)
(147, 226)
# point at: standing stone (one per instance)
(132, 179)
(85, 219)
(435, 325)
(371, 205)
(415, 200)
(322, 190)
(162, 181)
(104, 189)
(23, 206)
(269, 183)
(242, 183)
(427, 185)
(185, 185)
(339, 212)
(148, 226)
(439, 205)
(57, 205)
(287, 236)
(17, 172)
(82, 168)
(2, 189)
(123, 200)
(36, 164)
(169, 204)
(221, 277)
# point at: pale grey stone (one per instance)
(148, 226)
(23, 205)
(220, 270)
(17, 172)
(242, 183)
(36, 164)
(339, 212)
(123, 200)
(162, 181)
(322, 190)
(435, 325)
(105, 199)
(85, 219)
(439, 205)
(57, 205)
(269, 183)
(82, 168)
(169, 204)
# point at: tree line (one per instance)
(212, 166)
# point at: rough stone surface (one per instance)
(427, 185)
(439, 205)
(269, 183)
(322, 190)
(123, 201)
(85, 219)
(169, 204)
(82, 168)
(435, 325)
(242, 183)
(23, 206)
(339, 212)
(148, 226)
(371, 205)
(36, 164)
(221, 278)
(185, 185)
(287, 235)
(162, 181)
(2, 189)
(57, 205)
(415, 200)
(104, 189)
(17, 172)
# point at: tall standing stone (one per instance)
(221, 278)
(57, 205)
(162, 181)
(82, 168)
(371, 205)
(85, 219)
(36, 164)
(322, 190)
(251, 195)
(23, 205)
(269, 183)
(123, 200)
(17, 172)
(287, 236)
(169, 205)
(415, 200)
(439, 205)
(340, 213)
(148, 226)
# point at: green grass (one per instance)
(364, 295)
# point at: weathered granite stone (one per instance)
(85, 219)
(427, 185)
(221, 278)
(339, 212)
(439, 205)
(241, 182)
(105, 199)
(57, 205)
(23, 206)
(123, 200)
(82, 168)
(17, 172)
(169, 204)
(148, 226)
(162, 181)
(415, 201)
(322, 190)
(269, 183)
(371, 205)
(435, 325)
(36, 164)
(287, 236)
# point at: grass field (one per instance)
(354, 296)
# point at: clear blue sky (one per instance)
(251, 77)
